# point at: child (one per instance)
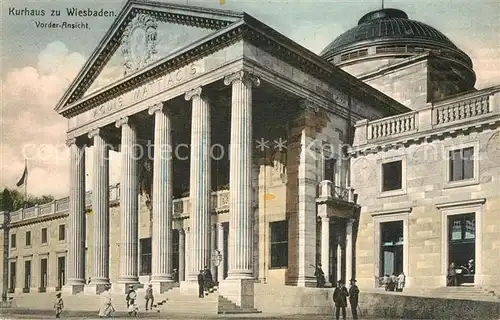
(133, 309)
(58, 305)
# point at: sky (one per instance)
(38, 65)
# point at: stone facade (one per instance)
(243, 83)
(427, 197)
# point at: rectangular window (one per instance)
(12, 278)
(44, 235)
(145, 246)
(12, 241)
(62, 232)
(330, 170)
(462, 164)
(279, 244)
(28, 238)
(392, 176)
(27, 275)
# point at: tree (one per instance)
(13, 200)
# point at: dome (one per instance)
(391, 31)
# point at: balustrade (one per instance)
(474, 105)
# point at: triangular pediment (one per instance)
(143, 33)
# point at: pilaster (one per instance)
(220, 247)
(182, 253)
(348, 250)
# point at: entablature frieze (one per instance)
(179, 89)
(424, 137)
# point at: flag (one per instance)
(24, 178)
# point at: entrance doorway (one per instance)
(462, 245)
(61, 272)
(43, 275)
(391, 248)
(27, 276)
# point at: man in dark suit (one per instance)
(353, 298)
(340, 298)
(200, 284)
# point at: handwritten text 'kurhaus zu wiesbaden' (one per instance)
(70, 12)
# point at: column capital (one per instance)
(325, 219)
(121, 122)
(193, 93)
(243, 76)
(70, 140)
(155, 108)
(182, 232)
(94, 132)
(350, 222)
(308, 104)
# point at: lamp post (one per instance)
(216, 259)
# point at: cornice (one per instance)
(36, 220)
(452, 130)
(390, 212)
(464, 203)
(192, 53)
(213, 19)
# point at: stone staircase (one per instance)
(169, 302)
(465, 292)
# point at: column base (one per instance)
(73, 288)
(240, 275)
(160, 287)
(309, 282)
(189, 288)
(96, 288)
(123, 288)
(238, 291)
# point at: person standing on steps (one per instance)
(353, 298)
(131, 295)
(340, 299)
(200, 284)
(401, 282)
(207, 280)
(107, 308)
(149, 297)
(58, 305)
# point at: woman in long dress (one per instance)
(106, 307)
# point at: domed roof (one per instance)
(388, 26)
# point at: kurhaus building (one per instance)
(262, 159)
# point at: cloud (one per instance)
(31, 126)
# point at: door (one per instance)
(27, 275)
(462, 245)
(12, 284)
(43, 274)
(391, 248)
(61, 272)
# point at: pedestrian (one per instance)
(149, 297)
(131, 295)
(320, 276)
(132, 309)
(452, 275)
(353, 298)
(107, 308)
(340, 299)
(58, 305)
(200, 284)
(401, 281)
(207, 279)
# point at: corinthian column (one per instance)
(348, 251)
(325, 248)
(199, 190)
(76, 230)
(129, 207)
(162, 197)
(182, 257)
(100, 207)
(240, 176)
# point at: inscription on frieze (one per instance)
(145, 91)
